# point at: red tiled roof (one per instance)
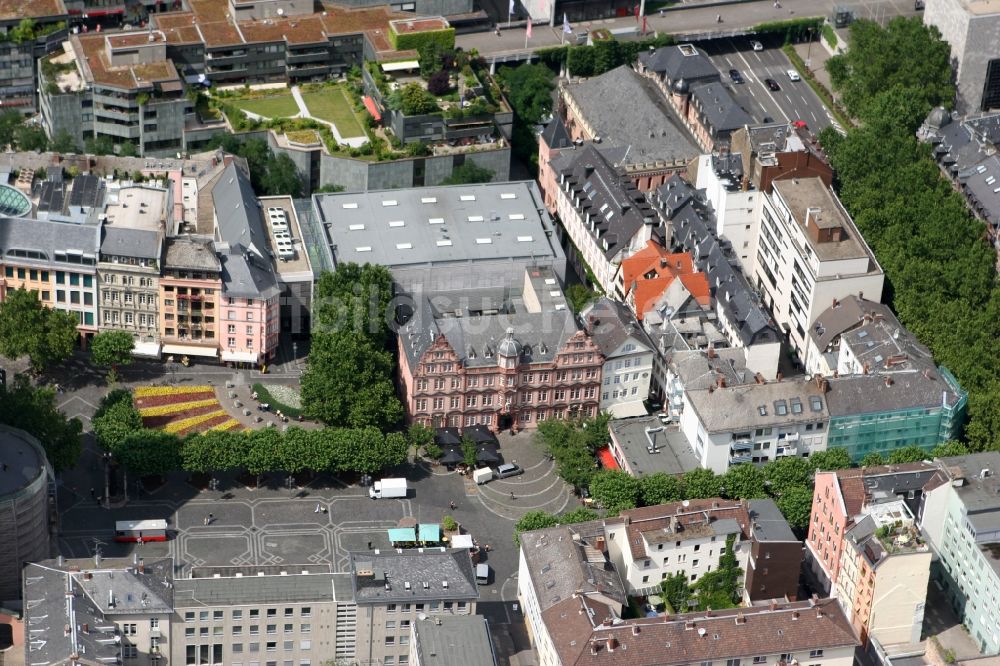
(653, 269)
(656, 518)
(668, 640)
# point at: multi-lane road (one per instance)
(794, 101)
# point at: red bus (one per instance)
(136, 530)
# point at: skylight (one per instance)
(363, 248)
(357, 227)
(428, 200)
(390, 202)
(467, 197)
(436, 220)
(397, 223)
(350, 204)
(483, 241)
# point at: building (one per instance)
(249, 286)
(959, 517)
(651, 544)
(18, 80)
(572, 602)
(97, 612)
(502, 358)
(294, 271)
(713, 114)
(884, 573)
(443, 239)
(825, 340)
(614, 110)
(970, 27)
(807, 254)
(225, 615)
(456, 640)
(628, 356)
(27, 507)
(644, 445)
(190, 297)
(739, 314)
(603, 216)
(779, 151)
(395, 589)
(136, 222)
(842, 498)
(698, 369)
(647, 275)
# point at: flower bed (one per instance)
(217, 422)
(163, 410)
(193, 421)
(151, 391)
(281, 398)
(167, 419)
(231, 424)
(156, 401)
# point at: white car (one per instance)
(793, 75)
(756, 46)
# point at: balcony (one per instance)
(190, 297)
(741, 445)
(738, 458)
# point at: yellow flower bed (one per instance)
(155, 391)
(177, 426)
(231, 424)
(176, 407)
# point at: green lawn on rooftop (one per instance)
(272, 106)
(331, 105)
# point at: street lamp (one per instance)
(809, 48)
(290, 481)
(213, 484)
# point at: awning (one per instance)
(372, 108)
(402, 535)
(607, 458)
(624, 410)
(146, 349)
(481, 434)
(400, 66)
(487, 453)
(429, 532)
(451, 456)
(245, 357)
(462, 541)
(190, 350)
(446, 436)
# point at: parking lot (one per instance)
(794, 101)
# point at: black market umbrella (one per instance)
(447, 436)
(452, 456)
(481, 434)
(487, 453)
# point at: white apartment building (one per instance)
(628, 356)
(755, 422)
(736, 209)
(807, 254)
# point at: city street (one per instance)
(795, 101)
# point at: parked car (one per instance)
(772, 84)
(507, 470)
(793, 75)
(768, 120)
(756, 46)
(735, 75)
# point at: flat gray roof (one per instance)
(634, 436)
(454, 640)
(437, 225)
(22, 457)
(292, 588)
(802, 194)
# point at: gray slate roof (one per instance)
(695, 370)
(680, 61)
(453, 640)
(721, 112)
(293, 588)
(247, 270)
(733, 409)
(613, 325)
(768, 523)
(627, 110)
(693, 228)
(124, 242)
(847, 315)
(868, 394)
(47, 237)
(555, 134)
(389, 572)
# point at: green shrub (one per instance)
(449, 524)
(830, 35)
(445, 39)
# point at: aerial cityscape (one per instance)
(473, 333)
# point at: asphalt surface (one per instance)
(795, 101)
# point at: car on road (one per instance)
(767, 120)
(772, 84)
(756, 46)
(793, 75)
(507, 470)
(800, 124)
(735, 75)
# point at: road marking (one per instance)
(804, 101)
(766, 91)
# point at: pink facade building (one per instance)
(250, 332)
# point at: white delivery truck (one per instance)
(482, 475)
(388, 488)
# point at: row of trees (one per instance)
(144, 452)
(941, 276)
(348, 382)
(34, 410)
(528, 89)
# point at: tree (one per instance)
(744, 482)
(795, 504)
(660, 488)
(872, 460)
(415, 101)
(128, 149)
(907, 454)
(831, 459)
(64, 143)
(30, 137)
(101, 145)
(112, 349)
(579, 296)
(9, 122)
(349, 382)
(149, 453)
(29, 328)
(439, 83)
(580, 514)
(701, 483)
(950, 448)
(24, 31)
(468, 174)
(281, 177)
(528, 88)
(355, 297)
(787, 472)
(34, 410)
(420, 435)
(677, 592)
(615, 490)
(533, 520)
(115, 420)
(468, 451)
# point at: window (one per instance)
(203, 631)
(189, 616)
(237, 614)
(760, 660)
(254, 612)
(254, 629)
(249, 316)
(237, 648)
(272, 646)
(815, 653)
(289, 627)
(203, 616)
(306, 628)
(732, 662)
(218, 615)
(390, 640)
(305, 645)
(238, 630)
(288, 645)
(189, 632)
(130, 651)
(272, 628)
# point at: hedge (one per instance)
(793, 28)
(445, 39)
(830, 35)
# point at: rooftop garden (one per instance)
(898, 536)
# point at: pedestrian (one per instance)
(324, 510)
(512, 495)
(452, 505)
(211, 519)
(93, 493)
(139, 540)
(317, 508)
(205, 521)
(487, 548)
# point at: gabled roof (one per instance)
(648, 273)
(138, 243)
(611, 324)
(680, 61)
(555, 134)
(722, 113)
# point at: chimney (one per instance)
(888, 381)
(663, 262)
(861, 295)
(635, 630)
(740, 618)
(86, 628)
(142, 566)
(689, 625)
(867, 368)
(819, 613)
(593, 648)
(773, 605)
(721, 382)
(778, 377)
(711, 389)
(708, 612)
(599, 544)
(795, 615)
(711, 351)
(836, 303)
(612, 644)
(813, 600)
(135, 559)
(97, 559)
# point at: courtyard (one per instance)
(332, 105)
